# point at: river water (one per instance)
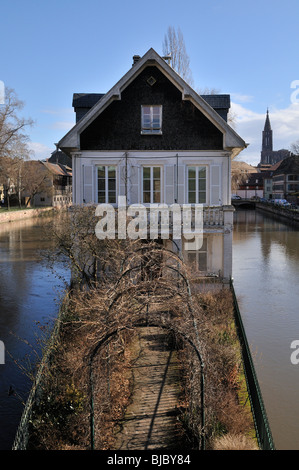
(266, 280)
(30, 293)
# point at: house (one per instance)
(240, 172)
(153, 139)
(285, 180)
(252, 186)
(268, 182)
(47, 184)
(61, 181)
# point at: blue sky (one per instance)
(249, 49)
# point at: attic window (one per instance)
(151, 81)
(151, 119)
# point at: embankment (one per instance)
(12, 216)
(279, 211)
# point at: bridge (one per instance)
(244, 203)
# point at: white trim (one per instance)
(196, 166)
(151, 130)
(152, 166)
(106, 183)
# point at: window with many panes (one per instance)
(151, 184)
(151, 119)
(197, 182)
(199, 259)
(107, 184)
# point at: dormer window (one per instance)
(151, 119)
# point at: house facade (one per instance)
(154, 140)
(285, 180)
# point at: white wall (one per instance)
(174, 181)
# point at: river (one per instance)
(266, 280)
(30, 292)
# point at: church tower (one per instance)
(267, 143)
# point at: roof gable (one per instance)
(231, 140)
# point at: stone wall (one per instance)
(11, 216)
(280, 211)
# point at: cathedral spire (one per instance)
(267, 142)
(267, 123)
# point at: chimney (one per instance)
(167, 58)
(135, 59)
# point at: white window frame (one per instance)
(151, 167)
(106, 184)
(197, 167)
(151, 130)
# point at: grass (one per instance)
(14, 209)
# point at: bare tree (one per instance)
(174, 45)
(13, 142)
(13, 138)
(36, 179)
(295, 147)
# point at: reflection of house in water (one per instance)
(154, 140)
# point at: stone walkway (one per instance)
(151, 420)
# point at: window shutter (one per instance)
(169, 184)
(181, 184)
(133, 184)
(88, 186)
(215, 185)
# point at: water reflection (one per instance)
(266, 278)
(29, 297)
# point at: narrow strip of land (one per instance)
(151, 420)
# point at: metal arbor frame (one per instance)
(147, 322)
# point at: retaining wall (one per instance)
(11, 216)
(280, 211)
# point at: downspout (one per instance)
(177, 178)
(126, 176)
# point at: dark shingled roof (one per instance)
(288, 166)
(86, 100)
(217, 101)
(82, 102)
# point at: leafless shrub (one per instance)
(123, 284)
(234, 442)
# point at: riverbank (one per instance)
(21, 214)
(280, 211)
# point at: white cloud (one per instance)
(39, 151)
(240, 98)
(250, 125)
(66, 118)
(62, 125)
(62, 111)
